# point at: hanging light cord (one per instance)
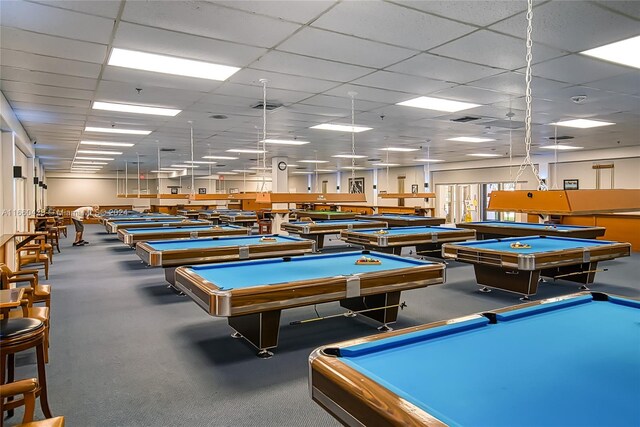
(193, 179)
(527, 118)
(264, 134)
(353, 188)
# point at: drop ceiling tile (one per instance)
(50, 118)
(49, 100)
(571, 25)
(494, 50)
(341, 102)
(57, 22)
(577, 69)
(402, 83)
(36, 89)
(628, 83)
(380, 22)
(477, 12)
(299, 11)
(209, 20)
(165, 42)
(287, 63)
(471, 94)
(28, 61)
(439, 68)
(254, 94)
(24, 106)
(151, 81)
(367, 94)
(319, 111)
(53, 46)
(514, 83)
(16, 74)
(105, 8)
(110, 91)
(325, 44)
(249, 76)
(631, 8)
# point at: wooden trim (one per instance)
(407, 196)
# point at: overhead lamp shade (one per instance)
(17, 172)
(36, 180)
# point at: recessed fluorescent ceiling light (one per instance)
(107, 144)
(582, 123)
(82, 171)
(227, 173)
(313, 161)
(285, 141)
(114, 153)
(354, 167)
(220, 157)
(243, 170)
(341, 128)
(429, 160)
(160, 171)
(483, 155)
(116, 130)
(561, 147)
(386, 164)
(349, 156)
(88, 163)
(170, 65)
(292, 166)
(438, 104)
(399, 149)
(260, 168)
(302, 173)
(200, 162)
(619, 52)
(137, 109)
(244, 150)
(185, 166)
(470, 139)
(325, 170)
(95, 158)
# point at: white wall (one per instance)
(626, 173)
(85, 192)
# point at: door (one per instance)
(401, 180)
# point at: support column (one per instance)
(9, 219)
(279, 184)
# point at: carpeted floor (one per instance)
(127, 351)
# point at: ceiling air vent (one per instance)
(167, 150)
(221, 116)
(465, 119)
(270, 105)
(560, 138)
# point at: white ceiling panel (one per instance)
(478, 12)
(218, 101)
(380, 21)
(28, 61)
(337, 47)
(36, 89)
(249, 76)
(513, 83)
(402, 83)
(105, 8)
(628, 83)
(494, 50)
(471, 94)
(631, 8)
(439, 68)
(341, 102)
(295, 11)
(53, 46)
(25, 106)
(577, 69)
(155, 40)
(572, 25)
(26, 76)
(109, 91)
(49, 100)
(309, 67)
(254, 94)
(54, 21)
(150, 81)
(209, 20)
(367, 94)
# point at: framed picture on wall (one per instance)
(174, 191)
(414, 188)
(571, 184)
(202, 190)
(356, 185)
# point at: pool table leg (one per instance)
(384, 316)
(260, 329)
(318, 238)
(584, 273)
(518, 281)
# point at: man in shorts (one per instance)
(77, 217)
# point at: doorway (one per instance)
(401, 180)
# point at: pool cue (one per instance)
(581, 272)
(402, 305)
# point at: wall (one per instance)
(87, 192)
(626, 173)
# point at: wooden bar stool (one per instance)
(18, 335)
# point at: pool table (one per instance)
(326, 215)
(246, 218)
(568, 361)
(210, 215)
(427, 240)
(135, 235)
(134, 217)
(127, 225)
(317, 230)
(398, 220)
(251, 294)
(498, 265)
(189, 213)
(496, 229)
(172, 253)
(110, 224)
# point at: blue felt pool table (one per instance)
(251, 294)
(114, 226)
(317, 230)
(569, 361)
(135, 235)
(427, 240)
(399, 220)
(495, 229)
(500, 264)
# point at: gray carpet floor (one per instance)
(127, 351)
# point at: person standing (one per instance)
(77, 217)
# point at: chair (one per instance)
(35, 254)
(28, 388)
(41, 293)
(54, 239)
